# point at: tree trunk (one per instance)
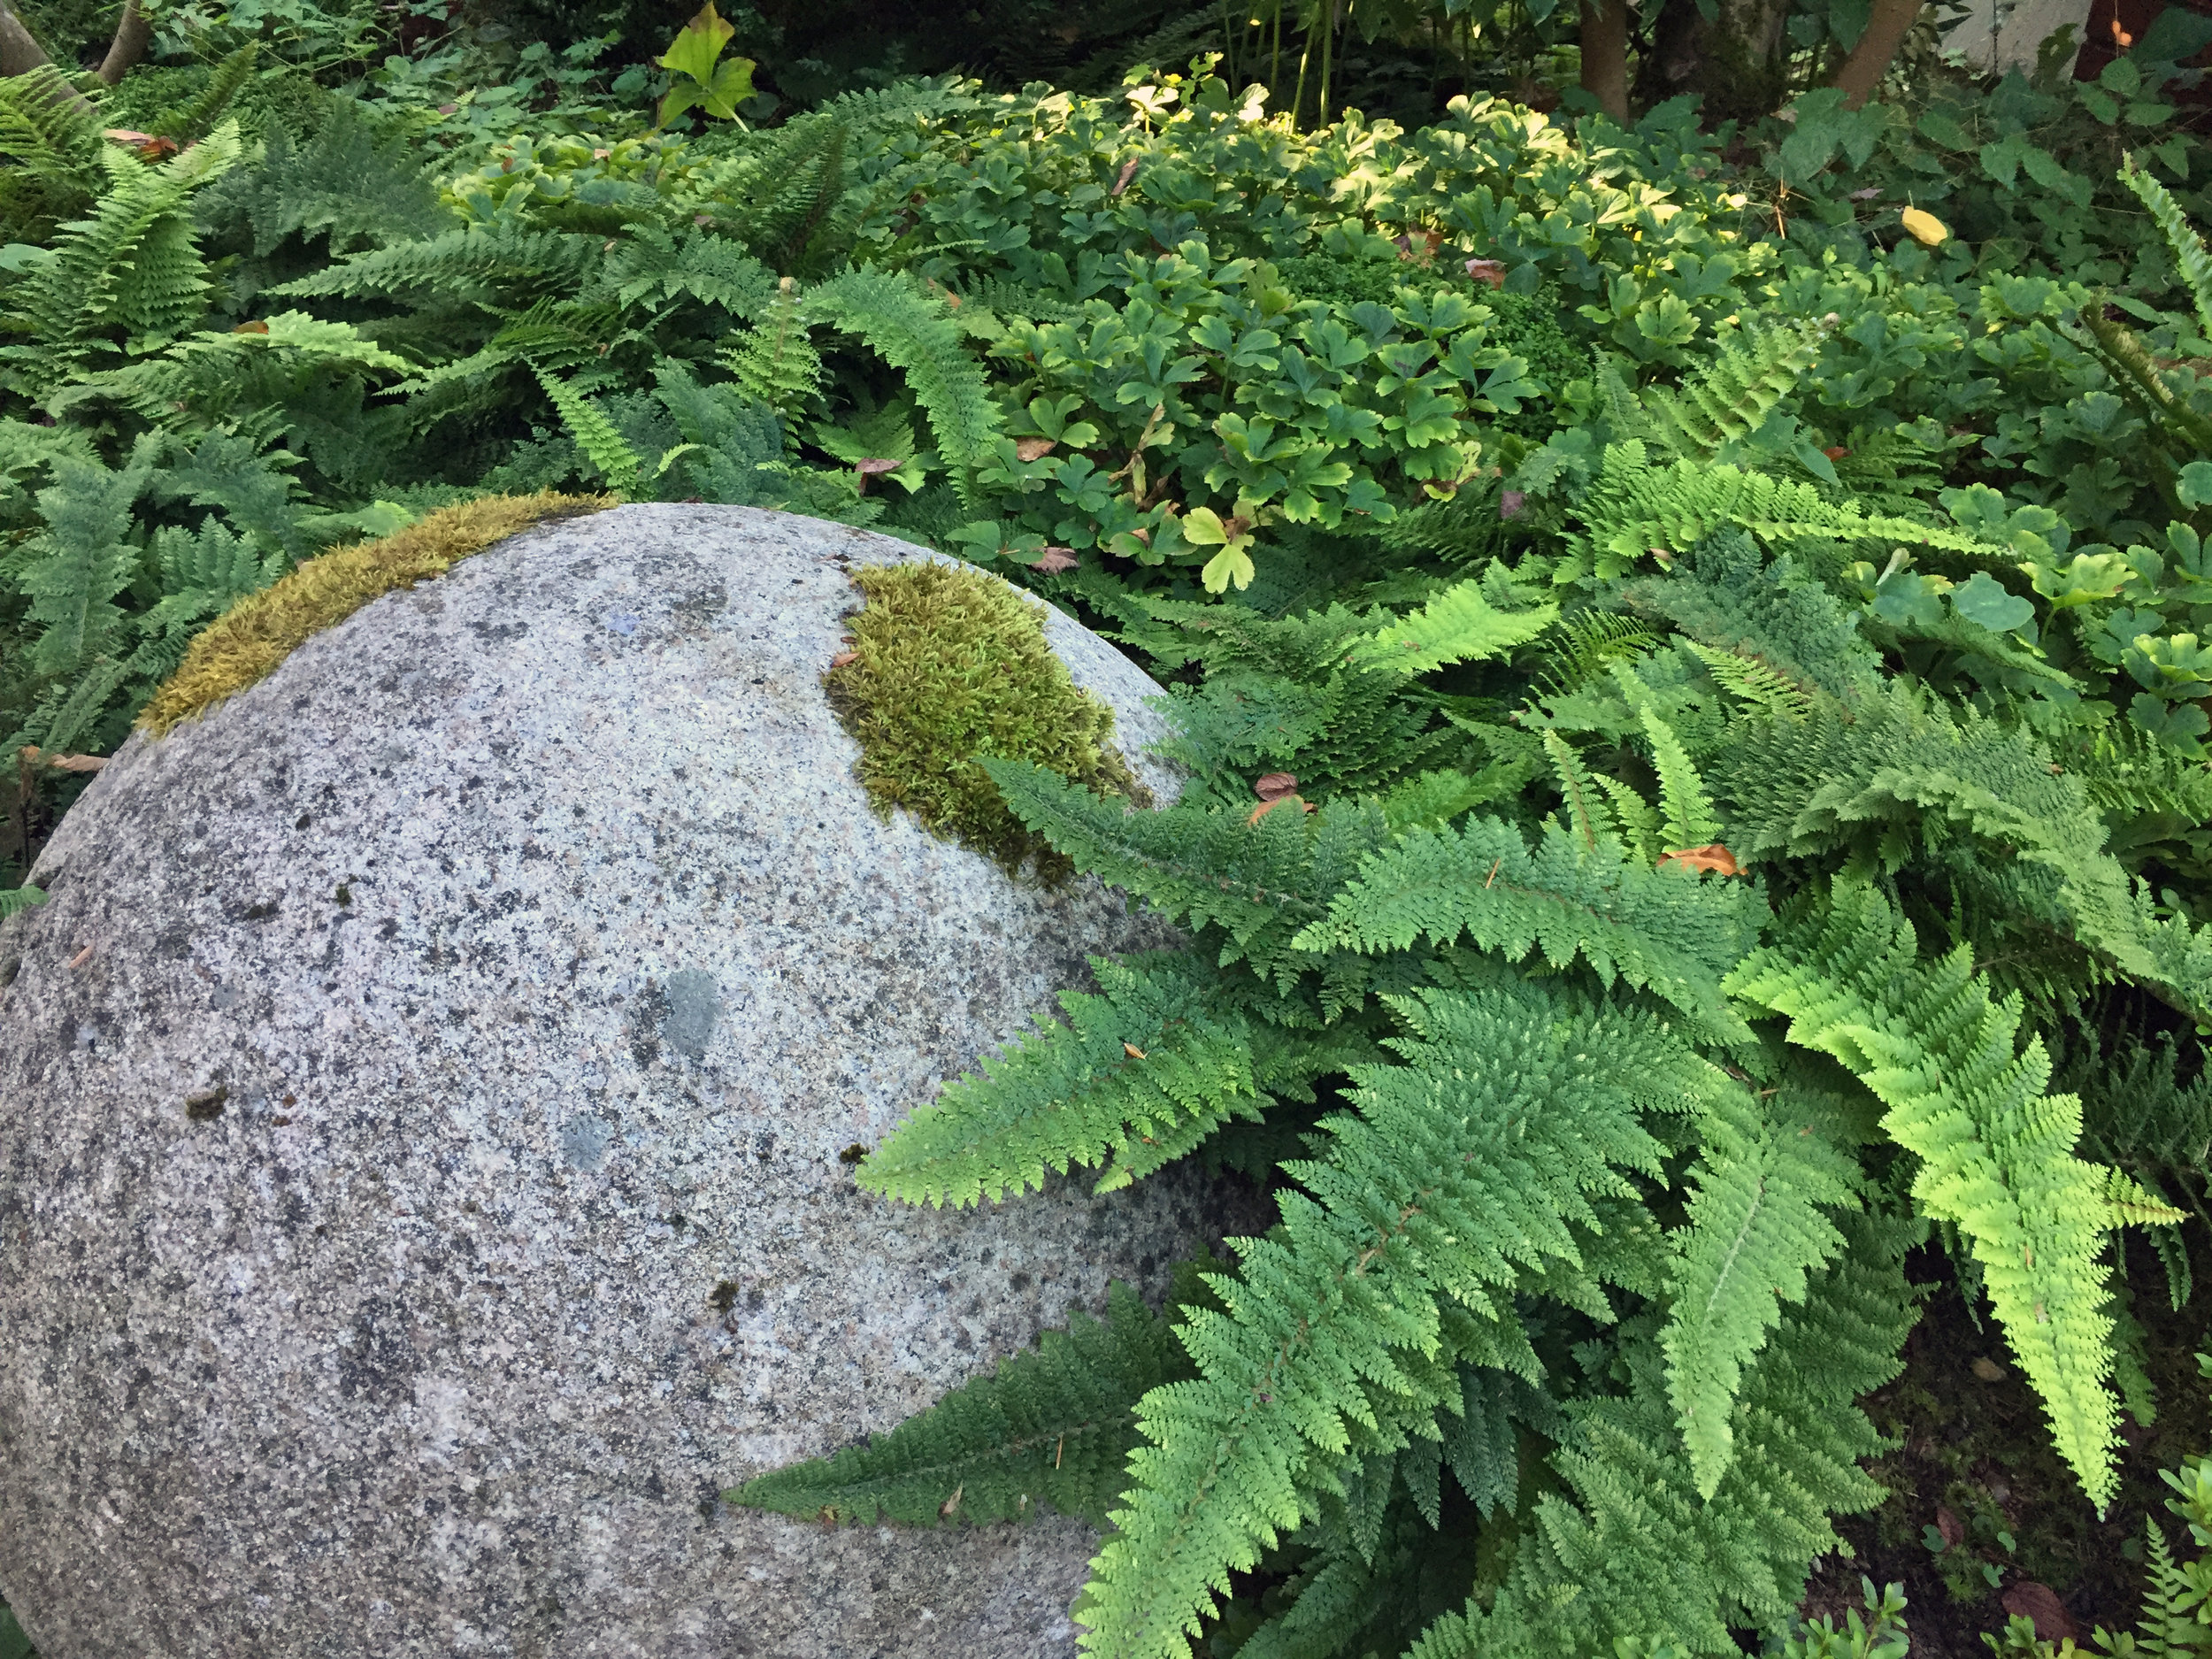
(1733, 64)
(1605, 55)
(20, 51)
(1868, 62)
(133, 33)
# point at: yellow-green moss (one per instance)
(949, 664)
(243, 645)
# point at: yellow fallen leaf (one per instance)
(1925, 227)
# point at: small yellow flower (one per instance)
(1925, 227)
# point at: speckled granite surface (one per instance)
(465, 1004)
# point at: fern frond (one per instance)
(1054, 1426)
(1478, 1159)
(1757, 1226)
(651, 263)
(1634, 509)
(1458, 625)
(1997, 1154)
(1731, 398)
(358, 179)
(1753, 682)
(1256, 882)
(914, 334)
(1585, 798)
(15, 901)
(1726, 596)
(193, 120)
(774, 361)
(49, 128)
(2191, 257)
(1586, 645)
(1630, 1552)
(1686, 811)
(786, 196)
(83, 559)
(130, 267)
(604, 446)
(1151, 1057)
(474, 263)
(1006, 298)
(1668, 931)
(1836, 780)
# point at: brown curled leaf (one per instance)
(1033, 449)
(1052, 560)
(1265, 807)
(1713, 856)
(843, 657)
(1276, 783)
(1132, 1051)
(1128, 171)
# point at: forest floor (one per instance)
(1974, 1467)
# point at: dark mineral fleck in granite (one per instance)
(425, 1197)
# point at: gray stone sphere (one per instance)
(421, 1103)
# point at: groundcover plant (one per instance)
(1687, 646)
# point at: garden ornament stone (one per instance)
(428, 1106)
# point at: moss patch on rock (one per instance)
(947, 663)
(244, 645)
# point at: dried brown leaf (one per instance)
(1033, 449)
(1276, 783)
(1265, 807)
(1132, 1051)
(2027, 1598)
(1052, 560)
(1712, 856)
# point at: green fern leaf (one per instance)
(1458, 625)
(1685, 809)
(1475, 1160)
(515, 267)
(1634, 508)
(83, 559)
(914, 334)
(1731, 398)
(605, 448)
(1257, 881)
(15, 901)
(1758, 1224)
(1145, 1058)
(1996, 1153)
(2190, 255)
(775, 363)
(1672, 932)
(1052, 1427)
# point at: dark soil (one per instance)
(1974, 1460)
